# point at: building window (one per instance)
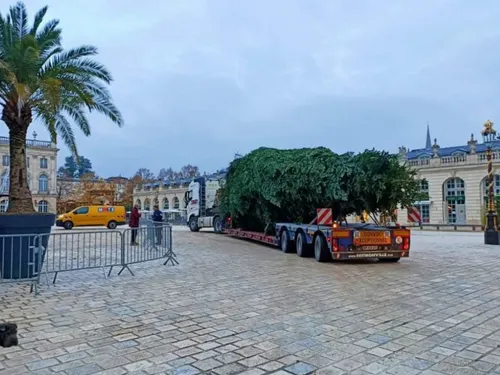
(4, 182)
(43, 206)
(454, 200)
(27, 162)
(44, 164)
(166, 204)
(4, 205)
(147, 204)
(5, 160)
(43, 184)
(496, 187)
(424, 210)
(176, 203)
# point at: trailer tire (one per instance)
(193, 224)
(301, 245)
(285, 242)
(389, 260)
(321, 252)
(217, 224)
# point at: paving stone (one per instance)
(300, 368)
(185, 370)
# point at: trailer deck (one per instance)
(334, 241)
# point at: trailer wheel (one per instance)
(389, 260)
(321, 252)
(285, 242)
(303, 249)
(217, 224)
(193, 224)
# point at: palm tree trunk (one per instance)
(20, 199)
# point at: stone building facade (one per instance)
(167, 195)
(453, 179)
(41, 162)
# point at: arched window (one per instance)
(4, 204)
(166, 204)
(4, 182)
(147, 204)
(43, 183)
(43, 206)
(139, 203)
(454, 200)
(175, 202)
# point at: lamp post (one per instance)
(491, 230)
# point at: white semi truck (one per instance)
(202, 204)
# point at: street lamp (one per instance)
(491, 231)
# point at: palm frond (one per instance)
(39, 16)
(19, 19)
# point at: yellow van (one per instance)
(90, 216)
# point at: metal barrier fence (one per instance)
(25, 258)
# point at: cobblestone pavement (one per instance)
(233, 307)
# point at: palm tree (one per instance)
(38, 79)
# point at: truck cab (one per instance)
(202, 204)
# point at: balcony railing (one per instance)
(30, 143)
(453, 161)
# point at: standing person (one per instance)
(133, 223)
(157, 222)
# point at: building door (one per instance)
(454, 200)
(460, 214)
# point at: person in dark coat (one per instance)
(133, 223)
(157, 222)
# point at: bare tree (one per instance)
(145, 174)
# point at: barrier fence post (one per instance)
(170, 252)
(123, 254)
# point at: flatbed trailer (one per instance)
(334, 241)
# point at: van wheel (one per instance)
(112, 224)
(217, 224)
(193, 224)
(68, 225)
(321, 251)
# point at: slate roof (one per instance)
(449, 151)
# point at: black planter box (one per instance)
(18, 243)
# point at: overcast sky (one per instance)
(199, 80)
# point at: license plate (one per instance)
(370, 248)
(373, 238)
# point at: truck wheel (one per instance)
(217, 224)
(193, 224)
(285, 243)
(68, 225)
(321, 252)
(112, 224)
(389, 260)
(303, 249)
